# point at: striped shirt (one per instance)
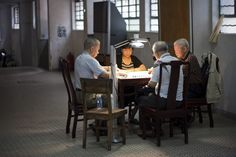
(127, 66)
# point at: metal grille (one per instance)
(228, 10)
(130, 11)
(79, 14)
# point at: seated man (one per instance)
(181, 47)
(86, 66)
(160, 51)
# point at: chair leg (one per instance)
(97, 130)
(143, 122)
(185, 128)
(171, 127)
(158, 128)
(123, 134)
(129, 114)
(75, 125)
(109, 134)
(85, 132)
(210, 115)
(200, 114)
(68, 121)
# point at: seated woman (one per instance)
(128, 62)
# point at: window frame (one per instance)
(15, 16)
(234, 6)
(78, 11)
(34, 14)
(127, 19)
(228, 17)
(153, 17)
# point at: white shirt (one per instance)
(86, 67)
(166, 58)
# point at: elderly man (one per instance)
(86, 66)
(160, 51)
(181, 47)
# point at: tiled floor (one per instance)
(33, 107)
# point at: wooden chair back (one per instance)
(97, 86)
(196, 103)
(68, 82)
(173, 81)
(171, 111)
(107, 113)
(75, 109)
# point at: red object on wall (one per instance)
(71, 59)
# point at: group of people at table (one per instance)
(86, 66)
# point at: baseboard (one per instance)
(226, 113)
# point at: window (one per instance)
(228, 9)
(15, 17)
(129, 10)
(79, 15)
(154, 15)
(34, 14)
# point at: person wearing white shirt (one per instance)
(160, 51)
(86, 66)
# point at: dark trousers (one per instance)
(153, 101)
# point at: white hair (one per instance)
(182, 42)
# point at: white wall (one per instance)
(202, 26)
(205, 15)
(43, 19)
(77, 41)
(59, 15)
(225, 49)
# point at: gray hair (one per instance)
(160, 46)
(90, 42)
(182, 42)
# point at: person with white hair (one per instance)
(160, 51)
(181, 47)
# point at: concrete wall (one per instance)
(42, 33)
(27, 36)
(205, 15)
(59, 17)
(20, 43)
(225, 49)
(202, 26)
(10, 39)
(5, 26)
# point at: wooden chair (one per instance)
(195, 104)
(170, 113)
(107, 113)
(75, 109)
